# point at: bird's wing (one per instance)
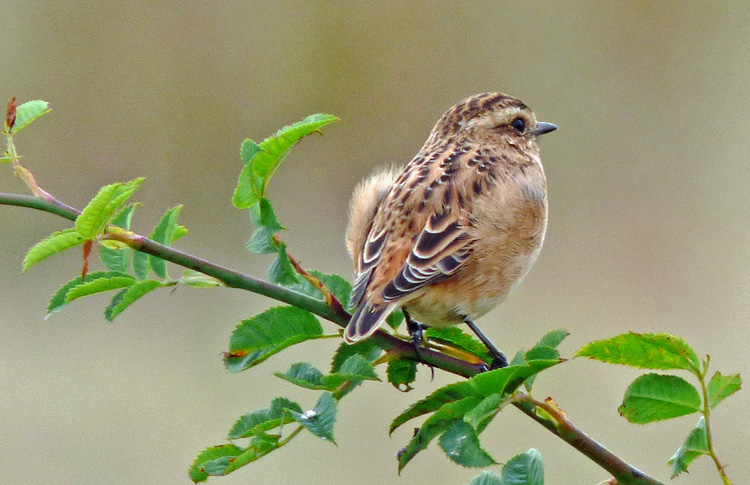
(437, 253)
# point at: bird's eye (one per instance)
(519, 125)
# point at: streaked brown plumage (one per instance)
(449, 236)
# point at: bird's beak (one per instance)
(543, 127)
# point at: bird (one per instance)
(449, 235)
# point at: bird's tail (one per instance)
(365, 321)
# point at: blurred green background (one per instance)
(648, 228)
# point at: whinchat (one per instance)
(451, 234)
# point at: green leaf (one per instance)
(261, 161)
(5, 159)
(256, 339)
(125, 298)
(207, 462)
(264, 419)
(457, 338)
(553, 339)
(487, 478)
(262, 214)
(484, 412)
(435, 425)
(304, 375)
(29, 112)
(401, 373)
(102, 208)
(261, 242)
(365, 348)
(98, 285)
(196, 279)
(141, 265)
(393, 320)
(461, 444)
(336, 284)
(507, 379)
(163, 234)
(721, 387)
(447, 394)
(524, 469)
(539, 352)
(655, 397)
(320, 420)
(249, 188)
(54, 243)
(355, 369)
(60, 298)
(264, 218)
(281, 270)
(258, 448)
(248, 150)
(119, 259)
(645, 351)
(694, 446)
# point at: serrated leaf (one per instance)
(401, 373)
(59, 299)
(256, 339)
(281, 271)
(487, 478)
(92, 286)
(163, 234)
(553, 338)
(262, 214)
(539, 352)
(304, 375)
(264, 218)
(336, 284)
(267, 157)
(261, 242)
(258, 448)
(355, 369)
(461, 444)
(248, 150)
(29, 112)
(457, 338)
(320, 420)
(484, 412)
(205, 463)
(436, 425)
(645, 351)
(54, 243)
(126, 298)
(655, 397)
(506, 380)
(365, 348)
(264, 419)
(721, 387)
(524, 469)
(446, 394)
(119, 259)
(694, 446)
(141, 265)
(102, 208)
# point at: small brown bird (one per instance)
(449, 236)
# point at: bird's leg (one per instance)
(415, 329)
(416, 332)
(498, 358)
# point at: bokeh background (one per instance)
(648, 230)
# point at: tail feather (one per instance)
(365, 322)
